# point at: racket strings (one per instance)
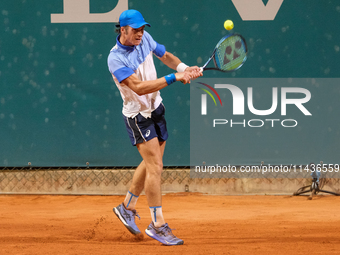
(231, 53)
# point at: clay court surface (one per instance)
(36, 224)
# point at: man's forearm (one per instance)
(170, 60)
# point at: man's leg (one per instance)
(126, 212)
(138, 182)
(152, 154)
(136, 187)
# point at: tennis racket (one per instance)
(229, 54)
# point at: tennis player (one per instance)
(131, 64)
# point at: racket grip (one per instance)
(201, 69)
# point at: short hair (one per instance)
(117, 30)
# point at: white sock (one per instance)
(130, 201)
(157, 216)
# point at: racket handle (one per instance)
(201, 69)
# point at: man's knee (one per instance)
(155, 168)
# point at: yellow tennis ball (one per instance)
(228, 24)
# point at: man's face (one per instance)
(132, 36)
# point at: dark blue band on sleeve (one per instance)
(170, 78)
(160, 50)
(123, 73)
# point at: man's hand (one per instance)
(192, 68)
(184, 77)
(194, 71)
(191, 73)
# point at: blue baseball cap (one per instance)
(132, 18)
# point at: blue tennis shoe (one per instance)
(163, 234)
(127, 217)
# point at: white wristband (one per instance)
(181, 67)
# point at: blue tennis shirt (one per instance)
(124, 61)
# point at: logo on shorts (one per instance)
(147, 133)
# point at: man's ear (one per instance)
(124, 30)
